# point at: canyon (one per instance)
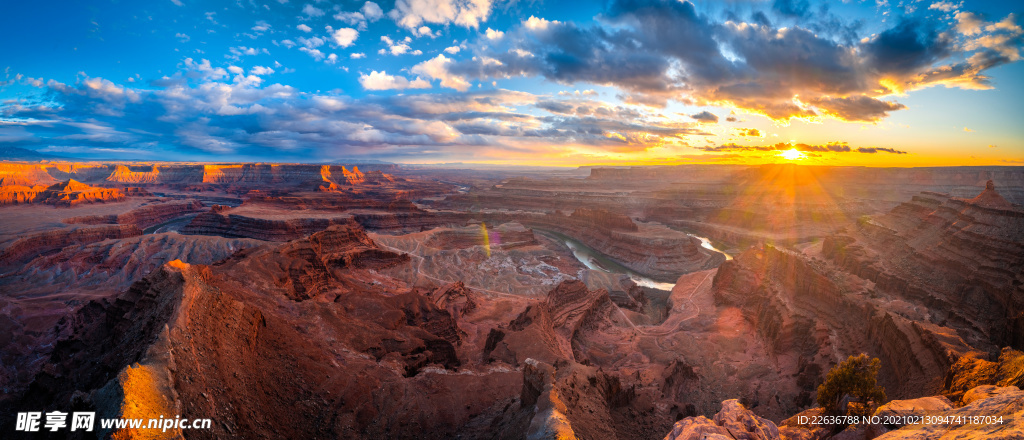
(390, 301)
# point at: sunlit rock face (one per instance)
(962, 257)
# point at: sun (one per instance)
(792, 154)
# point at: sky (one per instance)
(519, 82)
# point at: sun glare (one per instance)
(792, 154)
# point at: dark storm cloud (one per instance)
(705, 116)
(873, 150)
(661, 50)
(909, 46)
(556, 107)
(857, 108)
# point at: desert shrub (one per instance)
(856, 377)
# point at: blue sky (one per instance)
(567, 83)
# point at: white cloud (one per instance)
(312, 11)
(453, 49)
(393, 47)
(968, 23)
(538, 24)
(236, 70)
(183, 37)
(352, 18)
(261, 26)
(357, 55)
(382, 81)
(260, 71)
(344, 37)
(372, 11)
(437, 68)
(417, 52)
(177, 2)
(943, 6)
(521, 53)
(315, 53)
(312, 43)
(206, 71)
(331, 59)
(411, 14)
(369, 12)
(1008, 24)
(288, 43)
(304, 28)
(237, 52)
(493, 34)
(424, 31)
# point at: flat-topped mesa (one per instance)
(377, 178)
(16, 174)
(223, 173)
(989, 198)
(123, 174)
(604, 219)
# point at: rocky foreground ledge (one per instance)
(735, 421)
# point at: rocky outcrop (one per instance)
(65, 194)
(1005, 404)
(18, 194)
(314, 259)
(550, 330)
(456, 298)
(28, 248)
(734, 421)
(970, 372)
(999, 412)
(808, 309)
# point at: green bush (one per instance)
(856, 377)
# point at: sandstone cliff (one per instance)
(38, 244)
(143, 217)
(978, 244)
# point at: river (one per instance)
(595, 260)
(172, 225)
(706, 244)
